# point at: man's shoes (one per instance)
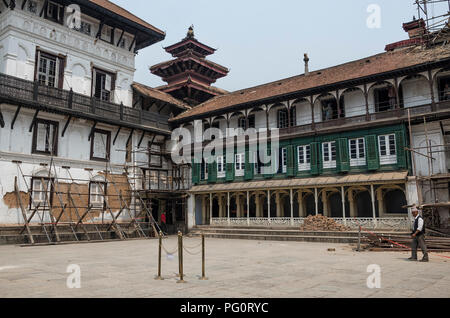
(412, 259)
(425, 260)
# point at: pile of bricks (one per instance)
(322, 223)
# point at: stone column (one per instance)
(325, 203)
(268, 205)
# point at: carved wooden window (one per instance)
(304, 158)
(55, 12)
(103, 85)
(100, 145)
(357, 152)
(155, 155)
(387, 148)
(97, 191)
(329, 155)
(45, 137)
(41, 193)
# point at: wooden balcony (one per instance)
(29, 94)
(378, 118)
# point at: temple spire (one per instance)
(190, 33)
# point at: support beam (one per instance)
(44, 8)
(117, 135)
(316, 200)
(91, 134)
(343, 204)
(2, 120)
(120, 38)
(372, 192)
(292, 207)
(65, 126)
(210, 207)
(129, 137)
(142, 138)
(33, 121)
(15, 117)
(248, 208)
(132, 43)
(99, 33)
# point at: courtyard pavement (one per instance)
(235, 268)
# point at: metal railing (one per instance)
(23, 91)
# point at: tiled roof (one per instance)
(369, 66)
(158, 95)
(353, 179)
(108, 5)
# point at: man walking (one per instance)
(418, 237)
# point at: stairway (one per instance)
(281, 234)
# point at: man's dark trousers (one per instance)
(419, 240)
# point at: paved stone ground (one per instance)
(236, 268)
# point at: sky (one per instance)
(261, 41)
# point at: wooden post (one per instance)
(203, 259)
(372, 192)
(22, 209)
(159, 277)
(180, 258)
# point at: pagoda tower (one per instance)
(189, 76)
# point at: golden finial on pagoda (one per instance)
(190, 33)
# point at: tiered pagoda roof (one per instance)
(189, 76)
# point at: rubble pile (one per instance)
(322, 223)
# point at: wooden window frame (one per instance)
(108, 145)
(358, 161)
(113, 75)
(239, 168)
(105, 189)
(329, 164)
(55, 126)
(306, 165)
(388, 158)
(151, 154)
(60, 12)
(50, 191)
